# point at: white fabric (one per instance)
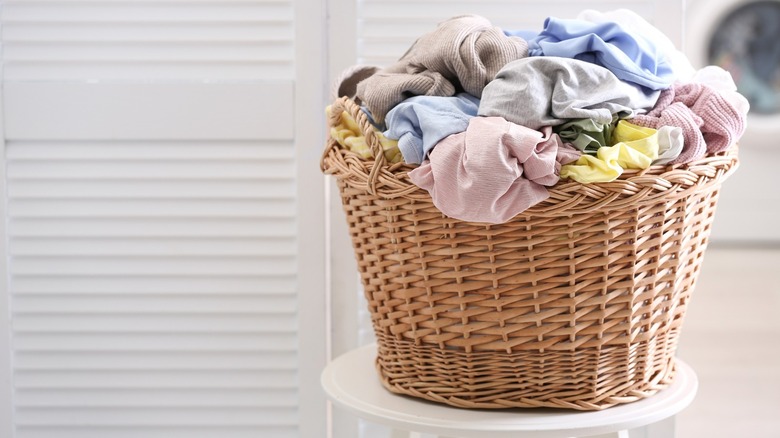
(670, 144)
(721, 80)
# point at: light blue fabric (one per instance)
(629, 56)
(421, 122)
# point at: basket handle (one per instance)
(367, 129)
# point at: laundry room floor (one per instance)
(731, 338)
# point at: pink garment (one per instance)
(492, 171)
(709, 122)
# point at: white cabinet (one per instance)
(157, 201)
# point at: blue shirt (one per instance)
(421, 122)
(630, 57)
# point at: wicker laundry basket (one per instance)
(575, 303)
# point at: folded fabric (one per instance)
(640, 99)
(625, 131)
(347, 133)
(670, 144)
(668, 140)
(633, 147)
(631, 57)
(610, 162)
(607, 165)
(566, 153)
(586, 134)
(463, 54)
(636, 25)
(549, 91)
(492, 171)
(709, 122)
(346, 83)
(721, 81)
(383, 90)
(420, 122)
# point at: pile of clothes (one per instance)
(493, 116)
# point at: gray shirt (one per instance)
(549, 91)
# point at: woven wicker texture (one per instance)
(575, 303)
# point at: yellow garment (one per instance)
(635, 148)
(347, 134)
(625, 132)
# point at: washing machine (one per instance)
(743, 36)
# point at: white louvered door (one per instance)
(151, 291)
(157, 204)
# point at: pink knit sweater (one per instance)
(709, 122)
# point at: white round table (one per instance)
(351, 381)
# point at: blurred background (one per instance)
(729, 332)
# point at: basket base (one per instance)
(584, 379)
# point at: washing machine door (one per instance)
(744, 38)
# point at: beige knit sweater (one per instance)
(462, 53)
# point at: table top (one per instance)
(351, 381)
